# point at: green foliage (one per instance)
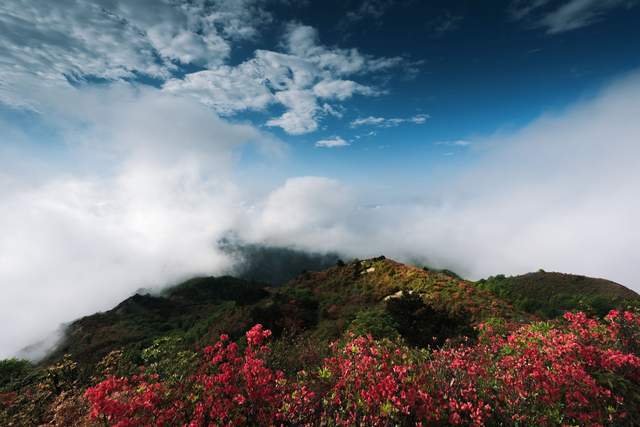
(376, 322)
(62, 376)
(444, 271)
(422, 325)
(191, 309)
(318, 305)
(292, 353)
(548, 295)
(169, 358)
(117, 363)
(494, 326)
(12, 371)
(423, 310)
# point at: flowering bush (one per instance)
(229, 388)
(368, 383)
(572, 371)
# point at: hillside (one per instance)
(371, 342)
(550, 294)
(379, 294)
(189, 310)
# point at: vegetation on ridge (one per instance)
(548, 295)
(365, 342)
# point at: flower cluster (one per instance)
(572, 371)
(229, 388)
(367, 383)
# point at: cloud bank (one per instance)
(558, 194)
(76, 241)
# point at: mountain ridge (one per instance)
(402, 330)
(319, 304)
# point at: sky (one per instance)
(483, 137)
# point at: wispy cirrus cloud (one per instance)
(374, 9)
(455, 143)
(443, 24)
(566, 15)
(383, 122)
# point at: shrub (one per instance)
(576, 370)
(375, 322)
(13, 370)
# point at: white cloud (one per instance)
(82, 236)
(443, 24)
(520, 9)
(303, 205)
(239, 19)
(455, 143)
(226, 89)
(419, 119)
(114, 39)
(50, 43)
(560, 194)
(307, 71)
(301, 115)
(335, 111)
(303, 42)
(389, 122)
(569, 15)
(336, 141)
(368, 121)
(341, 89)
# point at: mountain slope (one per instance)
(377, 294)
(348, 338)
(188, 309)
(550, 294)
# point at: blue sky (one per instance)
(481, 71)
(484, 137)
(485, 74)
(471, 69)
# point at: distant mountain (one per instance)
(551, 294)
(274, 265)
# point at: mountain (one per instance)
(550, 294)
(379, 294)
(368, 342)
(189, 309)
(274, 265)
